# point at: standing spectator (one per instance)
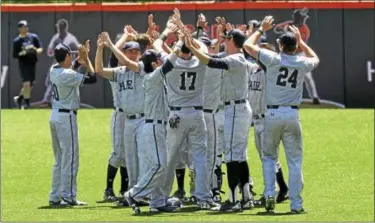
(26, 47)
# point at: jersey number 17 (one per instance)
(188, 75)
(285, 77)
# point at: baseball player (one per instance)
(63, 123)
(186, 121)
(285, 75)
(257, 99)
(299, 18)
(117, 158)
(153, 147)
(129, 80)
(234, 93)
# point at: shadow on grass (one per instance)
(265, 213)
(55, 207)
(73, 207)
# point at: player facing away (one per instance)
(234, 93)
(129, 79)
(186, 121)
(153, 147)
(63, 123)
(285, 75)
(257, 100)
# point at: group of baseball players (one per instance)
(188, 106)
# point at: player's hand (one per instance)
(83, 56)
(150, 22)
(202, 21)
(219, 32)
(106, 40)
(267, 23)
(177, 13)
(22, 53)
(172, 29)
(87, 46)
(187, 39)
(99, 41)
(296, 32)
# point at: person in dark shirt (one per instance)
(26, 48)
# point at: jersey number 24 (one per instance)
(285, 77)
(188, 75)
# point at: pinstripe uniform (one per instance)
(234, 94)
(285, 77)
(64, 132)
(129, 85)
(152, 150)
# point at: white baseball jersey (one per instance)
(235, 79)
(130, 89)
(257, 91)
(156, 105)
(211, 88)
(65, 88)
(185, 83)
(285, 75)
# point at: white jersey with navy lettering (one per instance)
(285, 76)
(65, 88)
(257, 90)
(156, 105)
(129, 85)
(185, 83)
(211, 88)
(235, 79)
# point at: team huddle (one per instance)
(189, 105)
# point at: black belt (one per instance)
(118, 109)
(277, 106)
(67, 111)
(156, 121)
(135, 116)
(179, 108)
(210, 111)
(236, 102)
(258, 116)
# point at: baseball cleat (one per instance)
(174, 202)
(282, 196)
(179, 194)
(163, 209)
(216, 195)
(207, 205)
(246, 205)
(17, 101)
(132, 203)
(120, 196)
(260, 202)
(229, 207)
(55, 203)
(270, 204)
(109, 196)
(121, 203)
(252, 190)
(73, 203)
(300, 211)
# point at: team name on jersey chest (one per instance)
(125, 85)
(255, 86)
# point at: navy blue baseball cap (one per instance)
(61, 51)
(22, 23)
(237, 35)
(206, 41)
(131, 46)
(148, 57)
(287, 39)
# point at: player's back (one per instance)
(65, 88)
(285, 76)
(185, 83)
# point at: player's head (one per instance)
(63, 55)
(22, 27)
(287, 43)
(300, 16)
(132, 50)
(234, 40)
(209, 43)
(144, 41)
(62, 26)
(151, 60)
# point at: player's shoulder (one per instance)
(34, 35)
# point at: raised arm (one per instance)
(132, 65)
(301, 44)
(100, 70)
(83, 51)
(251, 44)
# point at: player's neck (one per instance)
(64, 65)
(234, 51)
(23, 34)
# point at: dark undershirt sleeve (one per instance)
(166, 68)
(218, 64)
(90, 78)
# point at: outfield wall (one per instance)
(341, 33)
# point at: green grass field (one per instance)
(338, 170)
